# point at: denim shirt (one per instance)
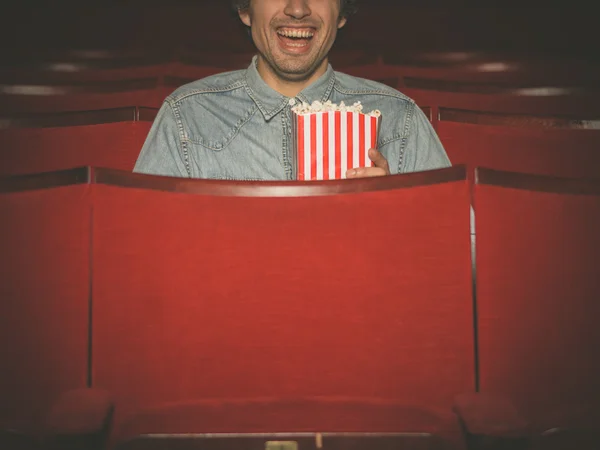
(234, 126)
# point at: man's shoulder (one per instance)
(214, 84)
(350, 85)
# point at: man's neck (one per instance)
(289, 88)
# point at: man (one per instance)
(237, 125)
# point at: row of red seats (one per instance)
(504, 85)
(501, 69)
(210, 306)
(113, 139)
(105, 138)
(151, 93)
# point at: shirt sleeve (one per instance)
(162, 153)
(423, 150)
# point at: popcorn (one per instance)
(316, 106)
(329, 139)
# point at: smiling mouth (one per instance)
(295, 39)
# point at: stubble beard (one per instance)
(293, 68)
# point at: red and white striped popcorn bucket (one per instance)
(328, 143)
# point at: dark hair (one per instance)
(348, 7)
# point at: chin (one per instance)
(298, 73)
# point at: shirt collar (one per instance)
(270, 102)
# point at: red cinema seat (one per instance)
(52, 97)
(536, 100)
(579, 102)
(45, 293)
(106, 138)
(537, 295)
(529, 144)
(272, 306)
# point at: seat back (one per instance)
(537, 295)
(48, 97)
(529, 144)
(45, 292)
(285, 292)
(105, 138)
(557, 103)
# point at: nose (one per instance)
(298, 9)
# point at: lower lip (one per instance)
(297, 47)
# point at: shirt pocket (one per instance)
(215, 128)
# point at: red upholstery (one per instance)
(225, 299)
(44, 287)
(114, 145)
(578, 105)
(537, 296)
(558, 152)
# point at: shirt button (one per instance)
(292, 101)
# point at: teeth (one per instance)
(295, 33)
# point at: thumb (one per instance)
(379, 160)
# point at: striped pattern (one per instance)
(330, 143)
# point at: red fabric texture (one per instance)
(490, 415)
(537, 297)
(358, 296)
(557, 152)
(31, 150)
(44, 288)
(79, 411)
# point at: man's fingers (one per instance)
(364, 172)
(381, 168)
(379, 160)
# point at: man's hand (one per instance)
(381, 167)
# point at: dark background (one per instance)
(557, 28)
